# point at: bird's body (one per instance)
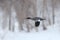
(37, 23)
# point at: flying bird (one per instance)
(37, 20)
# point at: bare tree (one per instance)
(24, 8)
(44, 14)
(18, 5)
(53, 10)
(6, 6)
(48, 13)
(31, 11)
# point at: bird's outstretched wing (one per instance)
(39, 18)
(42, 19)
(28, 18)
(36, 18)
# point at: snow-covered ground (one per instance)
(52, 33)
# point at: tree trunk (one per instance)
(43, 14)
(6, 6)
(53, 10)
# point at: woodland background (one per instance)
(14, 26)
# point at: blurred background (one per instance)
(14, 12)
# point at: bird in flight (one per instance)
(37, 20)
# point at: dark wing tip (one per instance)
(42, 19)
(28, 18)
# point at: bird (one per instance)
(37, 20)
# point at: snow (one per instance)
(32, 36)
(52, 33)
